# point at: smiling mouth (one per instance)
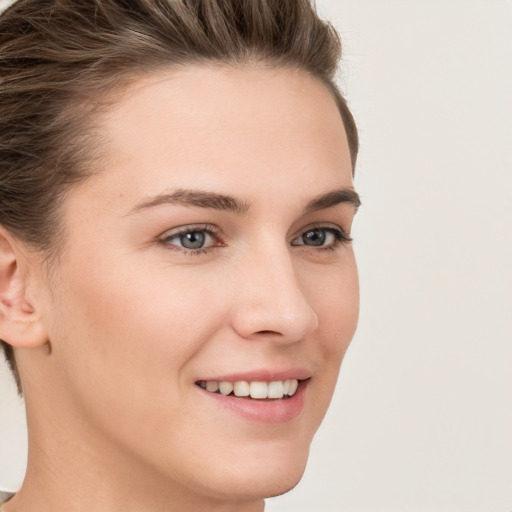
(259, 390)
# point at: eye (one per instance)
(192, 239)
(325, 237)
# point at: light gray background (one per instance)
(422, 416)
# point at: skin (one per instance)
(109, 353)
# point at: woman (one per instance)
(177, 283)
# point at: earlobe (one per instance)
(20, 321)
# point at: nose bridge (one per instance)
(271, 303)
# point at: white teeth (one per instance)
(294, 383)
(212, 385)
(256, 389)
(241, 388)
(225, 388)
(275, 389)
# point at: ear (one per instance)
(20, 320)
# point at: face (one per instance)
(211, 250)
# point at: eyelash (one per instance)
(340, 238)
(209, 229)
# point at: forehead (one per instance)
(212, 126)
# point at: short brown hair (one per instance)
(58, 58)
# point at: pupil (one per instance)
(314, 237)
(192, 240)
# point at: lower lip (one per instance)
(262, 411)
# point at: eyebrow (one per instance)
(198, 198)
(333, 198)
(216, 201)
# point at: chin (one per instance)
(268, 486)
(264, 478)
(286, 484)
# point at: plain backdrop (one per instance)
(422, 416)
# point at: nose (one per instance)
(270, 303)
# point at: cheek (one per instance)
(122, 326)
(136, 316)
(334, 295)
(122, 344)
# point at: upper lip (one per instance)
(263, 375)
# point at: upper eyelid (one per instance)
(185, 228)
(188, 228)
(320, 225)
